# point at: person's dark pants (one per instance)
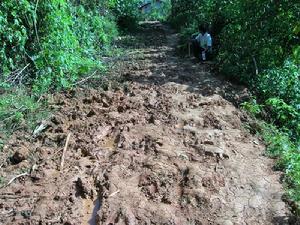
(197, 50)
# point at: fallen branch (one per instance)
(64, 153)
(85, 79)
(13, 77)
(19, 74)
(113, 194)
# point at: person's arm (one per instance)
(194, 36)
(197, 38)
(209, 43)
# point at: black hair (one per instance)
(202, 28)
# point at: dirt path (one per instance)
(166, 149)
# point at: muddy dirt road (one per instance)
(167, 148)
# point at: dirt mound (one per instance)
(168, 149)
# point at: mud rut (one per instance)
(168, 149)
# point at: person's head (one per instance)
(202, 29)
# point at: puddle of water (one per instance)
(97, 206)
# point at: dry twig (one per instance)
(85, 79)
(16, 177)
(64, 153)
(14, 76)
(113, 194)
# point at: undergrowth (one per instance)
(52, 45)
(256, 43)
(280, 145)
(19, 110)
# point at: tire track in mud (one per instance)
(168, 149)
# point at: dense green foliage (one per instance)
(59, 39)
(280, 145)
(49, 45)
(257, 42)
(52, 44)
(127, 13)
(15, 30)
(161, 12)
(18, 110)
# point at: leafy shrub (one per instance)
(127, 13)
(71, 45)
(261, 30)
(160, 13)
(285, 116)
(252, 107)
(60, 39)
(16, 28)
(95, 32)
(282, 82)
(17, 106)
(61, 59)
(287, 151)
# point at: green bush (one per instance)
(127, 13)
(16, 107)
(282, 82)
(261, 30)
(60, 39)
(46, 46)
(161, 13)
(284, 115)
(73, 41)
(252, 107)
(287, 151)
(61, 60)
(16, 29)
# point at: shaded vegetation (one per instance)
(48, 46)
(257, 43)
(59, 40)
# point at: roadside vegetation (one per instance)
(52, 45)
(257, 44)
(49, 46)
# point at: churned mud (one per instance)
(169, 147)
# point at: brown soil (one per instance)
(169, 148)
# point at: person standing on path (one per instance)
(202, 44)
